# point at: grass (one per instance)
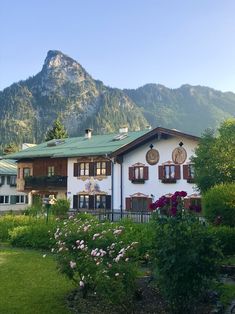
(227, 294)
(30, 284)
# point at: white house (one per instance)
(10, 198)
(123, 171)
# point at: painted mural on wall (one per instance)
(92, 186)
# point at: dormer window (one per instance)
(169, 172)
(138, 173)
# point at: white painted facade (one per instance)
(152, 188)
(7, 192)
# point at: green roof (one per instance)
(8, 167)
(79, 146)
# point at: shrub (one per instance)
(60, 208)
(35, 236)
(9, 222)
(218, 204)
(99, 257)
(186, 258)
(226, 238)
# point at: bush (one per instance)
(60, 208)
(186, 253)
(226, 238)
(9, 222)
(35, 236)
(186, 261)
(99, 257)
(219, 204)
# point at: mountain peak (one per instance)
(57, 59)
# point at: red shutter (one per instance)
(131, 173)
(128, 203)
(146, 173)
(149, 201)
(187, 203)
(75, 169)
(108, 168)
(161, 172)
(185, 172)
(177, 172)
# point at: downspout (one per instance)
(121, 191)
(112, 180)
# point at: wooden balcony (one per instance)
(39, 182)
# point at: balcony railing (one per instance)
(45, 182)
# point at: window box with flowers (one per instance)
(138, 173)
(169, 173)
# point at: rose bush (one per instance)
(98, 257)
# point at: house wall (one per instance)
(153, 185)
(76, 184)
(40, 166)
(6, 189)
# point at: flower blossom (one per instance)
(72, 264)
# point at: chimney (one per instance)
(123, 129)
(88, 133)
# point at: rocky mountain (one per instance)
(64, 88)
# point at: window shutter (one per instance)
(149, 201)
(75, 202)
(177, 172)
(13, 199)
(108, 201)
(146, 173)
(91, 202)
(161, 172)
(108, 168)
(187, 203)
(75, 169)
(131, 173)
(91, 169)
(128, 203)
(186, 172)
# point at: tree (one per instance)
(10, 149)
(57, 131)
(214, 159)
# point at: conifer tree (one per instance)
(57, 131)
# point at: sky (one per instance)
(124, 43)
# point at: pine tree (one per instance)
(10, 149)
(58, 131)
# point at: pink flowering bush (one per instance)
(98, 257)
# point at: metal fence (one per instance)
(117, 215)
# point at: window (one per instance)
(100, 169)
(11, 180)
(83, 201)
(2, 180)
(169, 173)
(138, 173)
(84, 169)
(193, 203)
(20, 199)
(4, 199)
(26, 172)
(138, 203)
(189, 173)
(51, 171)
(100, 201)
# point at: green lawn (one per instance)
(31, 284)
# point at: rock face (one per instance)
(63, 87)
